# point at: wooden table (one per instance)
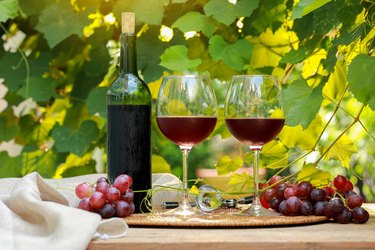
(327, 235)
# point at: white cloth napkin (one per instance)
(34, 215)
(37, 213)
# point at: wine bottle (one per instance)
(129, 119)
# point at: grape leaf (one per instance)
(75, 141)
(295, 56)
(342, 150)
(13, 70)
(361, 78)
(8, 9)
(96, 102)
(274, 155)
(226, 12)
(73, 161)
(303, 138)
(176, 58)
(43, 162)
(235, 55)
(62, 18)
(195, 21)
(241, 182)
(228, 164)
(312, 174)
(10, 166)
(304, 7)
(334, 88)
(40, 90)
(302, 103)
(31, 7)
(7, 131)
(160, 165)
(269, 47)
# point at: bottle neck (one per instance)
(128, 54)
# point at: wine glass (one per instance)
(186, 115)
(253, 115)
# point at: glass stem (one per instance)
(256, 153)
(185, 194)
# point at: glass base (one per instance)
(255, 210)
(182, 210)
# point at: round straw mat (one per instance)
(219, 219)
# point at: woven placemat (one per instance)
(219, 219)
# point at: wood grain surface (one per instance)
(326, 235)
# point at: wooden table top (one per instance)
(326, 235)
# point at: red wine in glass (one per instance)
(186, 130)
(255, 131)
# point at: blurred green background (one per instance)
(58, 58)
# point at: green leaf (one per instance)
(301, 103)
(96, 102)
(31, 7)
(226, 12)
(59, 21)
(241, 182)
(316, 177)
(7, 131)
(160, 165)
(40, 161)
(361, 79)
(342, 150)
(304, 7)
(8, 9)
(235, 55)
(13, 70)
(75, 141)
(40, 90)
(228, 164)
(274, 155)
(176, 58)
(195, 21)
(295, 56)
(10, 166)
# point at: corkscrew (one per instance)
(210, 200)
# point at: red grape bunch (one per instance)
(106, 199)
(339, 202)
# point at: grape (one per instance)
(102, 186)
(293, 204)
(122, 208)
(304, 189)
(306, 208)
(128, 196)
(264, 203)
(283, 208)
(354, 201)
(275, 203)
(328, 211)
(102, 179)
(360, 215)
(84, 204)
(97, 200)
(337, 205)
(280, 191)
(274, 179)
(269, 194)
(319, 208)
(122, 183)
(339, 182)
(344, 217)
(347, 187)
(329, 191)
(112, 194)
(107, 211)
(132, 208)
(83, 190)
(349, 193)
(317, 195)
(290, 191)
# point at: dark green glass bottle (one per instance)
(129, 119)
